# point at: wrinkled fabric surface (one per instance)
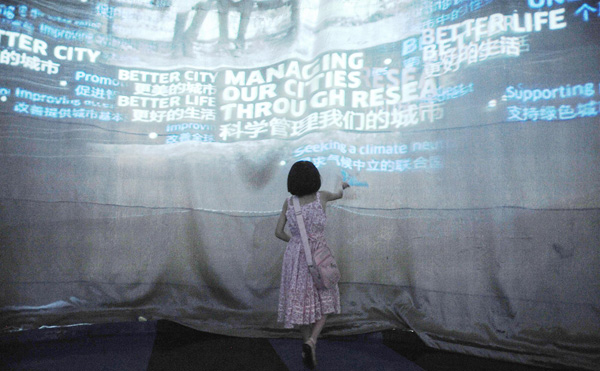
(468, 130)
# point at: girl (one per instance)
(300, 302)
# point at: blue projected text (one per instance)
(561, 92)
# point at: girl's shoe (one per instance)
(309, 357)
(305, 354)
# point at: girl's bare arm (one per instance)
(332, 196)
(279, 230)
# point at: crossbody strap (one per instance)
(300, 220)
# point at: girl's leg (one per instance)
(309, 346)
(305, 332)
(317, 327)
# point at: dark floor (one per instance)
(164, 345)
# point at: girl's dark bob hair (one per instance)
(303, 179)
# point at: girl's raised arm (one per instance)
(331, 196)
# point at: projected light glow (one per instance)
(355, 91)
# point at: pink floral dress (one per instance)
(300, 302)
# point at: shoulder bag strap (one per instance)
(300, 220)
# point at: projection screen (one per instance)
(145, 146)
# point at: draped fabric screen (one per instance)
(145, 146)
